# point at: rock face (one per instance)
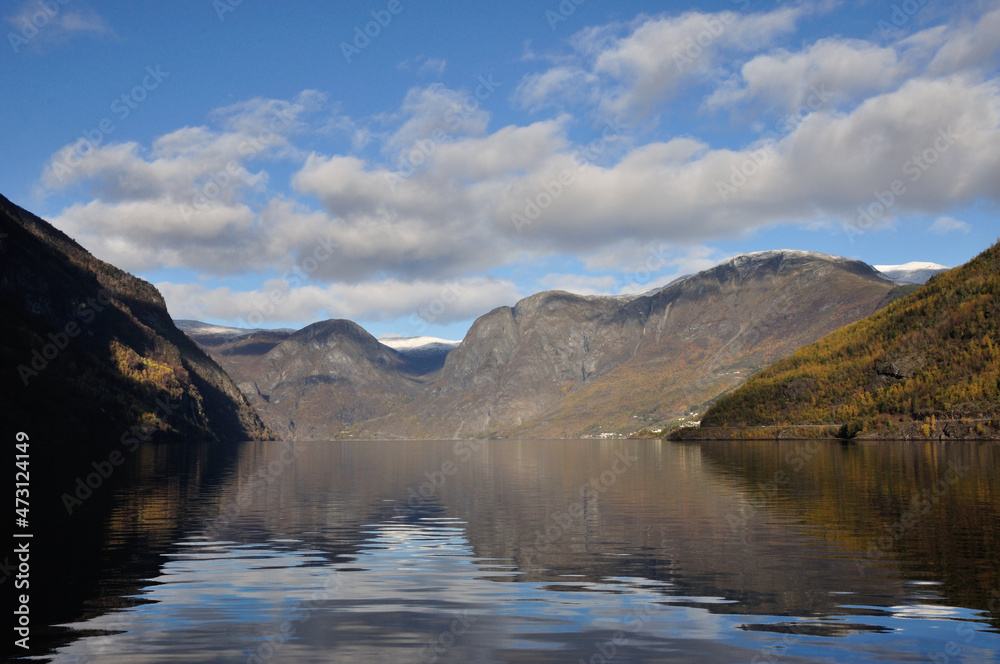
(558, 364)
(90, 354)
(315, 383)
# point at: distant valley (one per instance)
(317, 382)
(555, 364)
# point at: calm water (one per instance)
(511, 551)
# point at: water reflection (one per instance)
(547, 551)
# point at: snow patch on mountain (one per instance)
(914, 272)
(397, 342)
(220, 331)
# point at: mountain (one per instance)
(316, 382)
(89, 352)
(424, 355)
(213, 335)
(558, 364)
(926, 366)
(914, 272)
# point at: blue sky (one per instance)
(410, 165)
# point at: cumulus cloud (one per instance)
(139, 234)
(184, 201)
(635, 73)
(438, 194)
(833, 71)
(421, 302)
(971, 44)
(945, 225)
(580, 284)
(37, 23)
(435, 220)
(938, 137)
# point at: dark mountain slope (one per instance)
(89, 352)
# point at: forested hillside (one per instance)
(926, 366)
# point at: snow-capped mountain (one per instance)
(220, 332)
(914, 272)
(411, 344)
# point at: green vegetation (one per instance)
(928, 365)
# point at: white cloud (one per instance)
(183, 164)
(579, 283)
(436, 220)
(649, 64)
(970, 45)
(945, 225)
(828, 165)
(433, 66)
(424, 65)
(831, 71)
(37, 23)
(438, 194)
(632, 75)
(436, 109)
(558, 85)
(139, 234)
(280, 301)
(454, 213)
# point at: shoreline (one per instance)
(939, 430)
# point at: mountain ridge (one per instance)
(316, 382)
(556, 364)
